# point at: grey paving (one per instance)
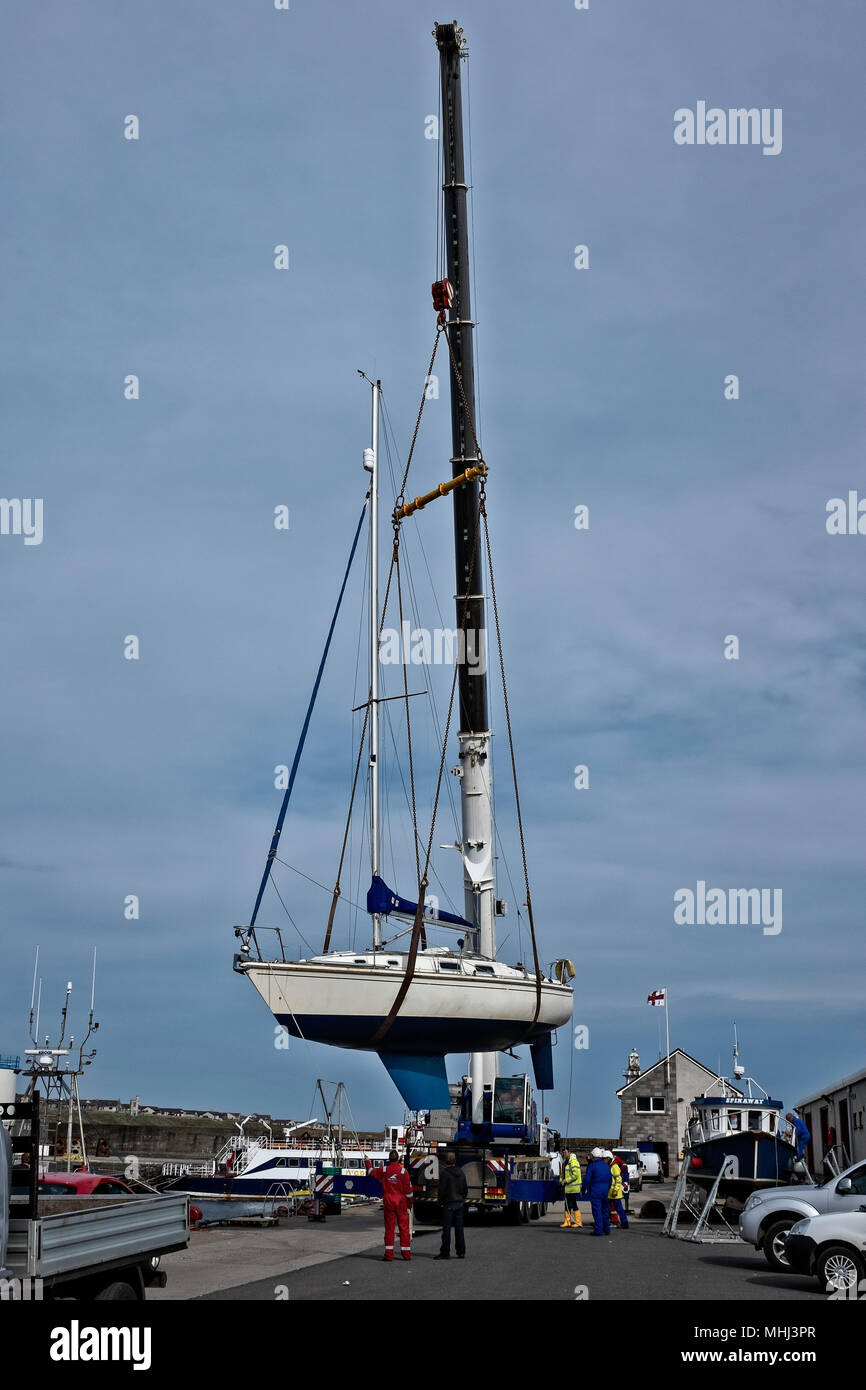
(537, 1261)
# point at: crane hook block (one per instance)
(443, 297)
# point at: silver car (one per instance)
(769, 1214)
(833, 1248)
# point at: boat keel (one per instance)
(421, 1080)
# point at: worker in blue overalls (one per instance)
(801, 1133)
(596, 1186)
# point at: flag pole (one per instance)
(667, 1041)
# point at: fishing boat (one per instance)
(415, 1003)
(734, 1129)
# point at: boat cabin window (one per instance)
(392, 962)
(360, 960)
(734, 1121)
(484, 970)
(754, 1119)
(452, 965)
(772, 1124)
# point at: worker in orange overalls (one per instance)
(396, 1202)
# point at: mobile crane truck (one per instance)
(503, 1151)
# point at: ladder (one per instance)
(699, 1232)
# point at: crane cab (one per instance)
(509, 1114)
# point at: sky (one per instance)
(601, 387)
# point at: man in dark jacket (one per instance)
(453, 1191)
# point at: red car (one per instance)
(82, 1185)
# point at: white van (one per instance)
(653, 1168)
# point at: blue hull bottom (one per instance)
(433, 1037)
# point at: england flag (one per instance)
(657, 997)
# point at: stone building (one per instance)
(654, 1103)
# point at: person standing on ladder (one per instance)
(396, 1203)
(572, 1182)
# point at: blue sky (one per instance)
(601, 387)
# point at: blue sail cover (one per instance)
(380, 899)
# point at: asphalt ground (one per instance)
(536, 1261)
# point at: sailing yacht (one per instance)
(415, 1006)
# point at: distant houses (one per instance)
(134, 1107)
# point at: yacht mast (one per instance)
(371, 463)
(474, 732)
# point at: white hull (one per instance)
(342, 1003)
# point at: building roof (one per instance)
(836, 1086)
(677, 1052)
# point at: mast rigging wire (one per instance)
(303, 738)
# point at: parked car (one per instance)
(632, 1160)
(82, 1185)
(653, 1168)
(768, 1216)
(832, 1247)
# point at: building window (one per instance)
(650, 1105)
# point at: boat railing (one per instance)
(733, 1090)
(184, 1170)
(254, 931)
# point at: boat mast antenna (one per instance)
(371, 464)
(473, 736)
(34, 1007)
(56, 1069)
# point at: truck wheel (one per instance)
(838, 1269)
(116, 1293)
(524, 1213)
(774, 1243)
(534, 1211)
